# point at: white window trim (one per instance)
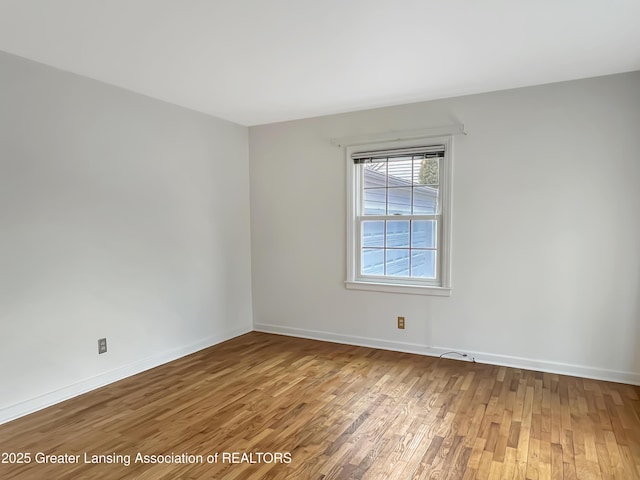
(354, 280)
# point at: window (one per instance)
(399, 216)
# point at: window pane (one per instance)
(426, 171)
(423, 234)
(398, 263)
(375, 201)
(375, 175)
(425, 200)
(372, 261)
(423, 263)
(398, 233)
(400, 201)
(373, 234)
(400, 172)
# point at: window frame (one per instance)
(442, 285)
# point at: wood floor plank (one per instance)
(338, 412)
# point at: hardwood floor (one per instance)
(340, 412)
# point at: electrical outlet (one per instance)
(102, 345)
(401, 323)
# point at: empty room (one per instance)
(291, 239)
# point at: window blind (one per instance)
(431, 151)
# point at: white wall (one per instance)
(546, 230)
(120, 217)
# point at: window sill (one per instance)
(393, 288)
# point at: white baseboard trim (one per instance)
(40, 402)
(480, 357)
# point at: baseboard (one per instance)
(480, 357)
(65, 393)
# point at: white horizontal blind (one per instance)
(431, 151)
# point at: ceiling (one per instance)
(262, 61)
